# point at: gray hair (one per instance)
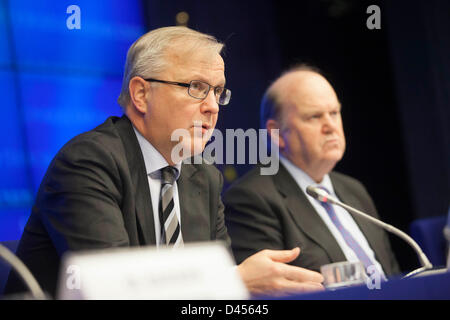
(147, 56)
(271, 103)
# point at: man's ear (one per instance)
(275, 135)
(138, 93)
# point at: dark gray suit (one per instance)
(272, 212)
(95, 194)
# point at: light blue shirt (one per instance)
(154, 162)
(304, 180)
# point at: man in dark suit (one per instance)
(109, 187)
(302, 114)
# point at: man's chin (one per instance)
(197, 147)
(183, 151)
(334, 155)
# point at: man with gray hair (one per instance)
(119, 185)
(275, 212)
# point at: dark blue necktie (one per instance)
(351, 242)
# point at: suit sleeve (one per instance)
(79, 199)
(251, 221)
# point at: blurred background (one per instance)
(393, 82)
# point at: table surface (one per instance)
(427, 287)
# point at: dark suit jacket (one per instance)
(272, 212)
(95, 194)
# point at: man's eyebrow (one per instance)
(200, 77)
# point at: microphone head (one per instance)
(317, 193)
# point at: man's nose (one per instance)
(329, 123)
(209, 104)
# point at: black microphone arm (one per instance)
(323, 196)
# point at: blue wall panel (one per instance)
(55, 111)
(4, 43)
(15, 193)
(55, 83)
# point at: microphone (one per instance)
(323, 196)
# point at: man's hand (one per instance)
(266, 272)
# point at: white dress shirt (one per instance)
(304, 180)
(154, 162)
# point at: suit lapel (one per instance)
(193, 193)
(371, 232)
(305, 215)
(138, 175)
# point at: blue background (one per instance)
(55, 83)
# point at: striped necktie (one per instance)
(170, 226)
(351, 242)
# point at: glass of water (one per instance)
(343, 274)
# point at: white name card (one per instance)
(197, 271)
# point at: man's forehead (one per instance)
(210, 63)
(191, 56)
(204, 63)
(312, 103)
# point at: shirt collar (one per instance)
(303, 179)
(154, 161)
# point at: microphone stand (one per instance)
(323, 196)
(23, 272)
(426, 264)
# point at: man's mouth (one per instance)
(331, 141)
(203, 126)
